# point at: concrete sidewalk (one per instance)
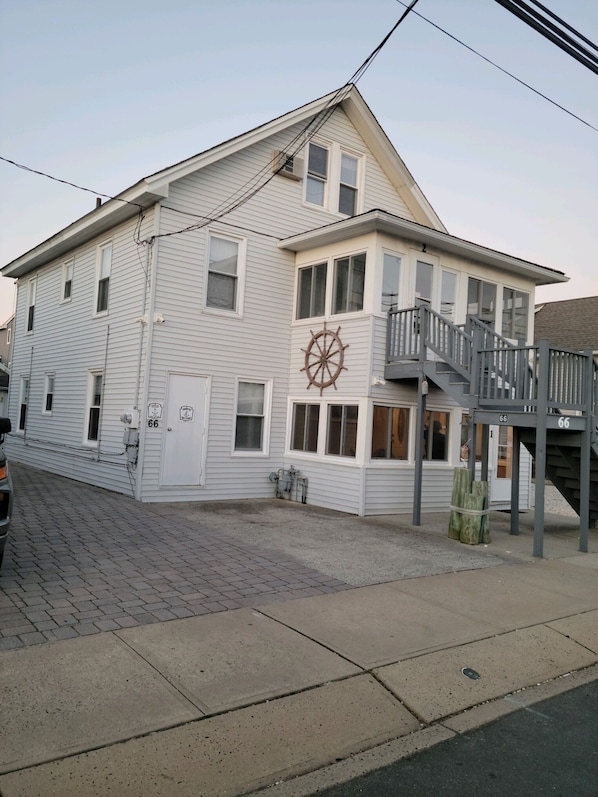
(228, 703)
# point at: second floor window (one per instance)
(104, 268)
(67, 280)
(481, 300)
(514, 314)
(391, 274)
(349, 284)
(311, 291)
(223, 273)
(31, 289)
(317, 175)
(347, 197)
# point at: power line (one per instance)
(256, 183)
(552, 32)
(66, 182)
(502, 69)
(564, 24)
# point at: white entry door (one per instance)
(184, 432)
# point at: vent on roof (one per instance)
(287, 165)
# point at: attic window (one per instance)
(317, 174)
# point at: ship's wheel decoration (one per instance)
(324, 358)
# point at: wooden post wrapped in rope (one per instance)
(461, 486)
(472, 518)
(481, 488)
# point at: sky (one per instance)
(103, 94)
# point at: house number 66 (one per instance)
(563, 423)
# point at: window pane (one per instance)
(391, 273)
(223, 256)
(248, 434)
(319, 290)
(448, 292)
(357, 282)
(341, 288)
(349, 275)
(473, 297)
(335, 420)
(399, 433)
(103, 286)
(313, 422)
(94, 423)
(349, 448)
(305, 427)
(346, 200)
(488, 303)
(436, 435)
(105, 261)
(423, 283)
(380, 433)
(348, 170)
(314, 191)
(222, 291)
(251, 398)
(299, 415)
(304, 299)
(521, 316)
(318, 160)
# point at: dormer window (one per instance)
(347, 196)
(317, 175)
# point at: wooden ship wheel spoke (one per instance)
(324, 358)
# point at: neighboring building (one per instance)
(256, 341)
(571, 323)
(6, 338)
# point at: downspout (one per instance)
(102, 397)
(152, 278)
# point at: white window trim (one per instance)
(379, 275)
(100, 248)
(65, 266)
(88, 406)
(31, 298)
(47, 378)
(297, 452)
(332, 187)
(265, 450)
(241, 273)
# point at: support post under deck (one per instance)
(515, 471)
(585, 454)
(422, 392)
(541, 412)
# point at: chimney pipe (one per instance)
(98, 201)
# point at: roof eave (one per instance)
(93, 224)
(381, 221)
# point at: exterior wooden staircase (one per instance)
(548, 395)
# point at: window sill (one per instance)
(215, 311)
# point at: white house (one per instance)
(232, 309)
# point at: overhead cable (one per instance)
(551, 32)
(502, 69)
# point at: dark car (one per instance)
(5, 490)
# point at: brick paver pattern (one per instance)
(81, 560)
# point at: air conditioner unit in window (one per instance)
(287, 165)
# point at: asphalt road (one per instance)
(550, 748)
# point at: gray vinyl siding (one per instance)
(68, 341)
(332, 483)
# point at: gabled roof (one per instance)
(382, 221)
(570, 324)
(155, 187)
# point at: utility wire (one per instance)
(564, 24)
(259, 181)
(502, 69)
(66, 182)
(551, 32)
